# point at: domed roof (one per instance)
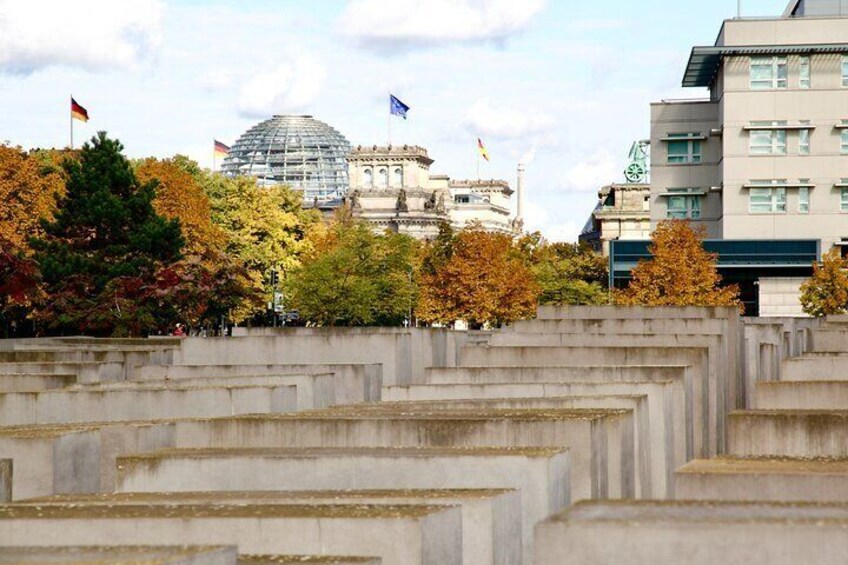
(299, 151)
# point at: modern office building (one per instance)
(392, 188)
(298, 151)
(762, 162)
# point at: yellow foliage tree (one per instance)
(29, 184)
(180, 196)
(826, 292)
(681, 272)
(478, 277)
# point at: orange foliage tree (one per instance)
(29, 184)
(478, 277)
(826, 292)
(681, 272)
(180, 196)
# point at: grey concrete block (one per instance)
(600, 442)
(138, 555)
(491, 518)
(695, 533)
(541, 475)
(764, 479)
(801, 395)
(432, 534)
(789, 433)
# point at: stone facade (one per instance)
(622, 213)
(392, 188)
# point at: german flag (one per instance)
(220, 149)
(484, 153)
(78, 112)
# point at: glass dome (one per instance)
(299, 151)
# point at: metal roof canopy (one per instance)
(704, 61)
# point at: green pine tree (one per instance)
(104, 246)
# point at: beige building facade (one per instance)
(392, 188)
(765, 156)
(622, 214)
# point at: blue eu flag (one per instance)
(397, 108)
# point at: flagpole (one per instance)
(390, 120)
(71, 114)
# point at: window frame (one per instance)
(805, 81)
(776, 194)
(776, 139)
(691, 209)
(694, 154)
(805, 148)
(368, 177)
(778, 66)
(804, 198)
(843, 198)
(844, 71)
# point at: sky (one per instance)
(562, 85)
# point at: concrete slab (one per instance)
(300, 559)
(6, 473)
(75, 405)
(695, 533)
(491, 518)
(810, 367)
(789, 433)
(541, 475)
(801, 395)
(600, 442)
(764, 479)
(646, 464)
(48, 462)
(76, 458)
(635, 312)
(84, 372)
(30, 383)
(351, 378)
(666, 418)
(317, 390)
(177, 555)
(432, 534)
(707, 402)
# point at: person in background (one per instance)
(178, 331)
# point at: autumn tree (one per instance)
(355, 277)
(103, 246)
(29, 185)
(826, 292)
(680, 273)
(265, 227)
(19, 286)
(567, 273)
(482, 278)
(180, 196)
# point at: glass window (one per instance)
(804, 140)
(383, 178)
(845, 71)
(398, 177)
(804, 199)
(843, 201)
(685, 206)
(767, 200)
(684, 150)
(368, 177)
(804, 73)
(768, 73)
(767, 141)
(844, 137)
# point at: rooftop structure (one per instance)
(298, 151)
(392, 188)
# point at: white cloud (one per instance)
(505, 123)
(567, 232)
(592, 172)
(292, 86)
(404, 24)
(538, 218)
(218, 79)
(91, 34)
